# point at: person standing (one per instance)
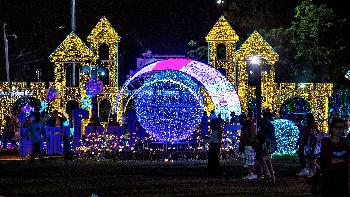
(305, 133)
(214, 148)
(333, 161)
(247, 145)
(9, 133)
(266, 138)
(56, 120)
(36, 132)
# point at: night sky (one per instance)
(162, 26)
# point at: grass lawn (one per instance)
(144, 178)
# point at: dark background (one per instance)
(162, 26)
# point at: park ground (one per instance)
(144, 178)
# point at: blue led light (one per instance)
(286, 135)
(86, 103)
(169, 106)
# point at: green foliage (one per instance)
(313, 48)
(199, 53)
(311, 35)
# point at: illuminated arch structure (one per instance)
(220, 90)
(273, 94)
(218, 87)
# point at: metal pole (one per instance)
(258, 97)
(6, 53)
(73, 29)
(73, 20)
(73, 75)
(236, 74)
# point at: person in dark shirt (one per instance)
(36, 132)
(305, 133)
(247, 145)
(56, 120)
(333, 161)
(266, 138)
(214, 148)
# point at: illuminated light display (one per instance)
(256, 46)
(286, 136)
(316, 95)
(340, 103)
(86, 103)
(43, 106)
(73, 50)
(222, 34)
(104, 33)
(93, 87)
(347, 75)
(221, 91)
(273, 94)
(27, 108)
(222, 31)
(169, 106)
(52, 94)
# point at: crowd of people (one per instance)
(322, 156)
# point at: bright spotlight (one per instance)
(103, 73)
(255, 60)
(303, 85)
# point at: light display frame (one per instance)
(165, 115)
(287, 134)
(221, 91)
(273, 94)
(222, 33)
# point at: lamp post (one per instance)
(6, 43)
(255, 61)
(221, 4)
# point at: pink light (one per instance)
(171, 64)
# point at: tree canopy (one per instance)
(313, 46)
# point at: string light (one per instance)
(347, 75)
(286, 136)
(221, 91)
(169, 106)
(222, 34)
(104, 33)
(273, 94)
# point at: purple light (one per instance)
(171, 64)
(27, 108)
(93, 87)
(222, 92)
(52, 94)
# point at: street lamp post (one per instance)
(6, 43)
(255, 61)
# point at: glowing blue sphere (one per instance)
(169, 106)
(286, 136)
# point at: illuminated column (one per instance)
(104, 33)
(222, 36)
(255, 45)
(72, 49)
